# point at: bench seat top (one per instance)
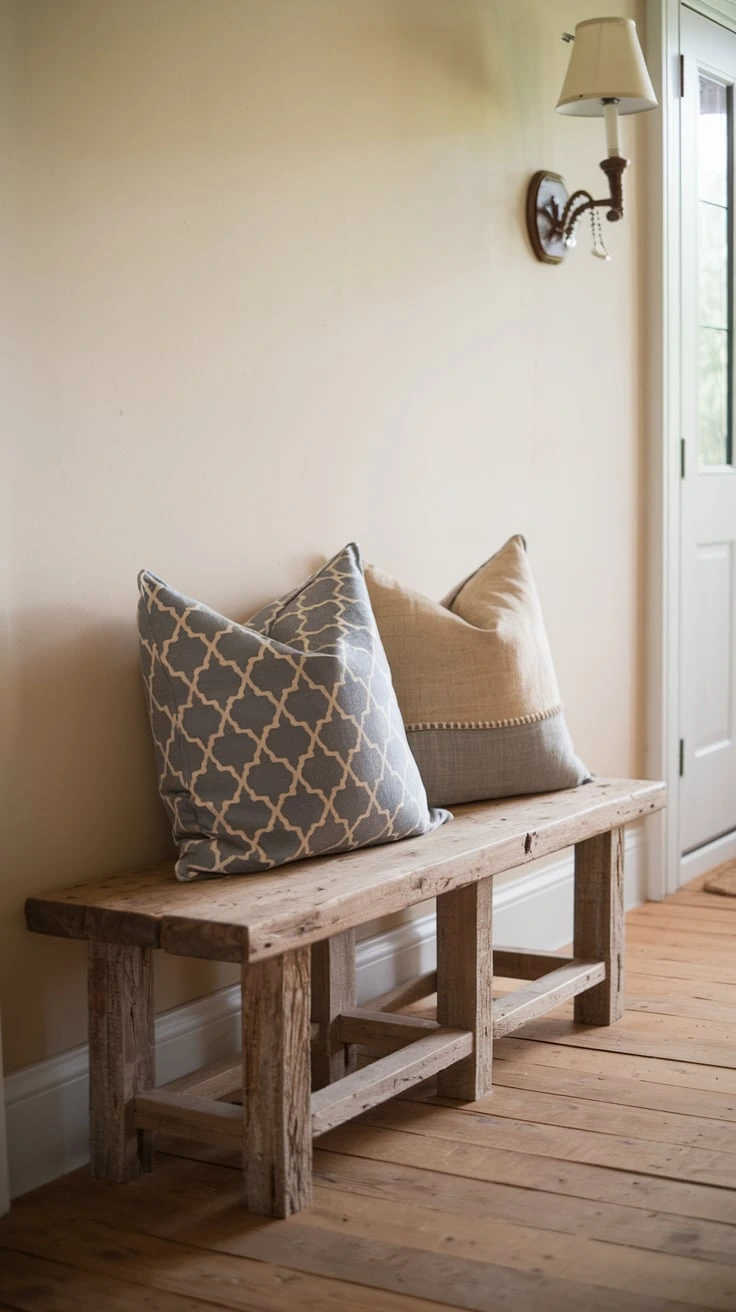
(252, 917)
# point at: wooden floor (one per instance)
(601, 1174)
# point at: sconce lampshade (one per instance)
(606, 64)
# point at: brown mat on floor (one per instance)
(722, 880)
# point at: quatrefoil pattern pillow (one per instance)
(280, 738)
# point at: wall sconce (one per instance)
(607, 76)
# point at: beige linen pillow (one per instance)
(476, 684)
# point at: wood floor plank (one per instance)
(677, 964)
(692, 943)
(598, 1264)
(703, 901)
(593, 1182)
(693, 1021)
(689, 1022)
(206, 1218)
(599, 1061)
(34, 1284)
(626, 1092)
(631, 1038)
(690, 1008)
(639, 981)
(357, 1170)
(174, 1268)
(646, 1157)
(714, 919)
(574, 1111)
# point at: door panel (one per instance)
(708, 564)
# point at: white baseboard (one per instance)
(707, 858)
(46, 1103)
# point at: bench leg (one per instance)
(465, 984)
(277, 1128)
(333, 989)
(599, 924)
(120, 1058)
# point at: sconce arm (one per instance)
(613, 167)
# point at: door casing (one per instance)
(664, 430)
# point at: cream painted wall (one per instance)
(275, 293)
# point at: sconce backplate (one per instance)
(545, 200)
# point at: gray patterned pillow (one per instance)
(280, 738)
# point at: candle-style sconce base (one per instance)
(552, 215)
(545, 202)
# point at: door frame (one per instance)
(4, 1175)
(664, 430)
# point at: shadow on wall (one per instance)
(80, 798)
(78, 767)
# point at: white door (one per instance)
(708, 638)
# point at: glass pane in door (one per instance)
(715, 254)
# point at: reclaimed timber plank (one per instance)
(526, 963)
(333, 989)
(598, 933)
(412, 990)
(218, 1079)
(544, 993)
(376, 1028)
(232, 919)
(277, 1139)
(121, 1057)
(465, 983)
(387, 1077)
(190, 1116)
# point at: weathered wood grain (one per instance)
(277, 1151)
(681, 1102)
(598, 933)
(159, 1268)
(259, 917)
(218, 1079)
(477, 1125)
(560, 1102)
(378, 1028)
(333, 990)
(572, 1049)
(388, 1076)
(543, 994)
(526, 963)
(411, 990)
(190, 1117)
(465, 983)
(121, 1060)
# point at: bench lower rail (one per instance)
(545, 993)
(190, 1116)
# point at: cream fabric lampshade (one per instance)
(606, 63)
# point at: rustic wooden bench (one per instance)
(293, 933)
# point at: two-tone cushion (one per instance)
(280, 738)
(476, 683)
